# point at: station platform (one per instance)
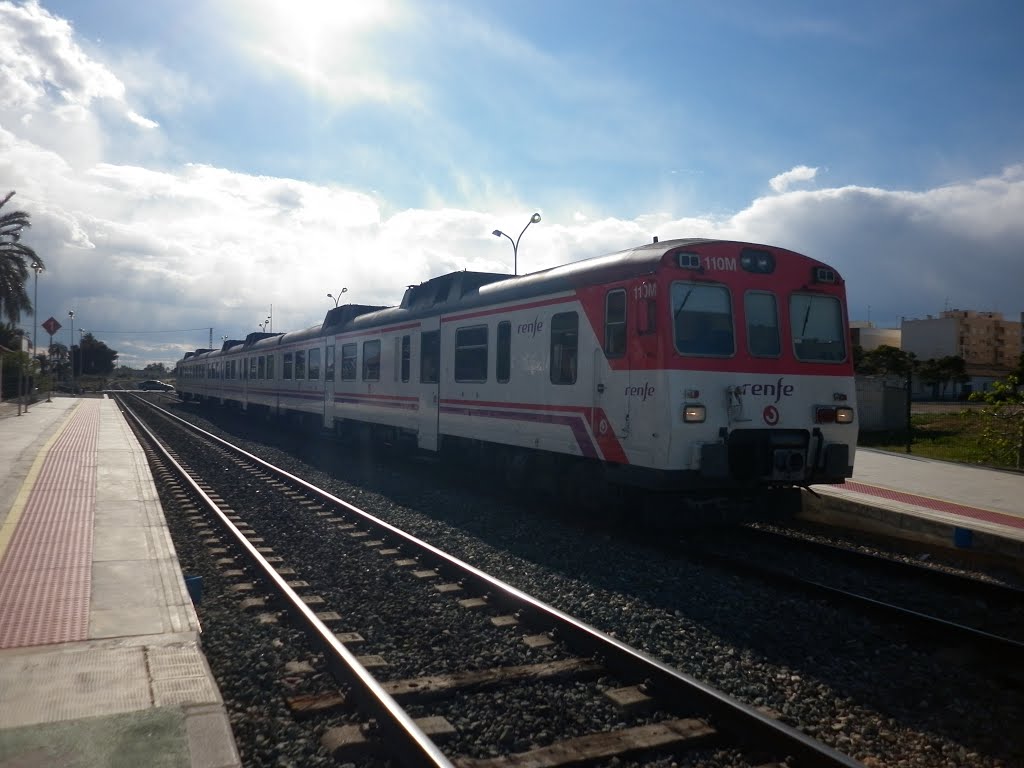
(100, 658)
(934, 502)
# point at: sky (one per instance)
(195, 167)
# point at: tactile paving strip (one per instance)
(939, 505)
(46, 571)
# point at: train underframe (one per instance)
(763, 466)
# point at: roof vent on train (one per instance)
(347, 312)
(228, 344)
(452, 286)
(255, 336)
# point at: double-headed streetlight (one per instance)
(338, 297)
(515, 243)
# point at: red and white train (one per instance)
(683, 364)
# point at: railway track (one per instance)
(459, 642)
(943, 608)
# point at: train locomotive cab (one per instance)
(754, 350)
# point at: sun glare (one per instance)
(300, 25)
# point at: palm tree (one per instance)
(15, 260)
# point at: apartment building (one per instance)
(867, 336)
(985, 340)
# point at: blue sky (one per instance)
(285, 149)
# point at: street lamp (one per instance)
(71, 348)
(338, 297)
(35, 307)
(515, 243)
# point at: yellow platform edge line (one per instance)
(11, 523)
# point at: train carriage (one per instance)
(688, 364)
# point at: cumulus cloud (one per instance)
(156, 259)
(44, 68)
(784, 181)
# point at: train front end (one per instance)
(759, 369)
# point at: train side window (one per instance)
(270, 366)
(300, 364)
(816, 323)
(702, 319)
(564, 347)
(348, 362)
(762, 324)
(252, 367)
(329, 363)
(286, 368)
(313, 365)
(406, 356)
(430, 357)
(261, 367)
(503, 367)
(371, 360)
(615, 323)
(471, 354)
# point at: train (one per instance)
(687, 366)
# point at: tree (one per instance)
(59, 360)
(16, 259)
(886, 360)
(94, 357)
(1004, 421)
(156, 370)
(941, 372)
(13, 362)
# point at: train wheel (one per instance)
(514, 467)
(584, 487)
(784, 503)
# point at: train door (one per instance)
(429, 382)
(612, 370)
(329, 385)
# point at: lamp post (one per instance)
(338, 297)
(515, 243)
(35, 307)
(71, 348)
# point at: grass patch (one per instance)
(946, 436)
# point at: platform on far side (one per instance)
(100, 657)
(935, 502)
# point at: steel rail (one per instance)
(1004, 649)
(741, 722)
(411, 745)
(964, 585)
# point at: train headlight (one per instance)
(831, 414)
(760, 262)
(694, 414)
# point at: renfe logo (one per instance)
(530, 329)
(641, 391)
(777, 390)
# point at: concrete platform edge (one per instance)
(870, 517)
